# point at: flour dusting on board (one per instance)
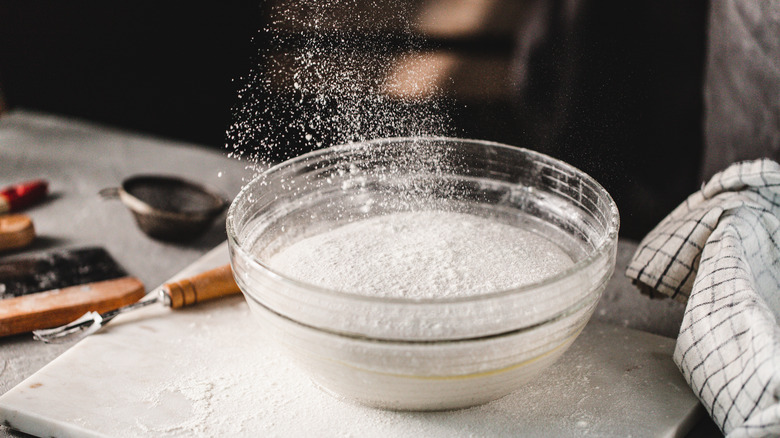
(225, 379)
(192, 398)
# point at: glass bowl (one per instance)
(432, 353)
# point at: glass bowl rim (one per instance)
(608, 241)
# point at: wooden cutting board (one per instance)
(208, 371)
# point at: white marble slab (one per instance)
(207, 371)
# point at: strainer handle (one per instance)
(109, 193)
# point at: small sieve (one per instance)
(169, 208)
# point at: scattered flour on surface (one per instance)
(240, 386)
(222, 383)
(228, 380)
(426, 254)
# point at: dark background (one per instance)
(162, 67)
(613, 87)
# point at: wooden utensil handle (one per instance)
(61, 306)
(211, 284)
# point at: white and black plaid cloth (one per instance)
(720, 252)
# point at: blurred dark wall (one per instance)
(615, 88)
(163, 67)
(742, 83)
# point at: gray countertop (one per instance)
(79, 159)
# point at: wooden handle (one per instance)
(61, 306)
(211, 284)
(16, 231)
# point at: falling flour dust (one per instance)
(323, 76)
(319, 82)
(426, 254)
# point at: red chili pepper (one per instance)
(19, 196)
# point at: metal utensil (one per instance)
(208, 285)
(167, 207)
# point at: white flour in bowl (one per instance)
(425, 254)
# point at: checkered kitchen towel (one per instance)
(720, 252)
